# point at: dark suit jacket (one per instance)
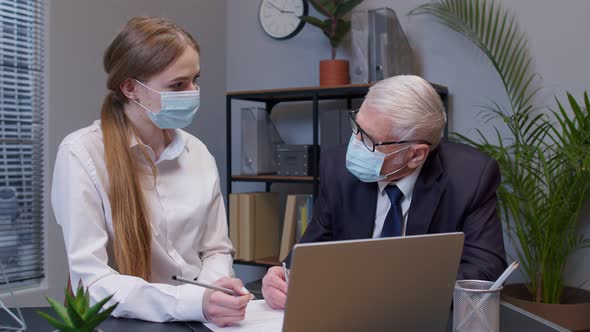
(455, 192)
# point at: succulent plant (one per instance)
(77, 315)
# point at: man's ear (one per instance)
(419, 153)
(129, 89)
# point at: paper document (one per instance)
(259, 317)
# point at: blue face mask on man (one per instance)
(178, 108)
(366, 165)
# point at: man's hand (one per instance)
(274, 288)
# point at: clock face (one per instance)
(280, 18)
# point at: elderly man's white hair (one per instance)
(412, 106)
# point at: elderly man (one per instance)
(398, 177)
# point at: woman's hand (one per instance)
(223, 309)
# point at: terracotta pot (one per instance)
(334, 72)
(573, 313)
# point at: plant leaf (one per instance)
(544, 161)
(95, 309)
(97, 319)
(325, 7)
(55, 323)
(346, 7)
(342, 28)
(496, 32)
(73, 308)
(61, 311)
(80, 290)
(313, 21)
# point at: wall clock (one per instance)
(280, 18)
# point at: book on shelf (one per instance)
(234, 225)
(289, 227)
(304, 212)
(254, 225)
(298, 212)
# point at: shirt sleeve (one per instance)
(79, 211)
(214, 246)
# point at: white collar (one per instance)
(172, 151)
(405, 184)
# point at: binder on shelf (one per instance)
(234, 223)
(289, 227)
(258, 225)
(304, 213)
(246, 208)
(298, 213)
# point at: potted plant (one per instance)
(77, 315)
(335, 27)
(544, 160)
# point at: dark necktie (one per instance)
(393, 221)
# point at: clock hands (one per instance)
(280, 9)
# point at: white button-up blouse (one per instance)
(187, 215)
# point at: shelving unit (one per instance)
(271, 178)
(271, 98)
(267, 261)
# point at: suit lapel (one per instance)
(366, 198)
(427, 193)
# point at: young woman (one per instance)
(137, 198)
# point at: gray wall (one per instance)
(556, 30)
(79, 32)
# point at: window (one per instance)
(21, 140)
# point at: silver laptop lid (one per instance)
(402, 284)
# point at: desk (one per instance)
(512, 319)
(36, 323)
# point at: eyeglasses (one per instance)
(368, 142)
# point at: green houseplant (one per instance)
(544, 157)
(77, 315)
(335, 27)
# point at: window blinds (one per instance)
(21, 140)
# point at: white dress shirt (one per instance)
(187, 215)
(406, 186)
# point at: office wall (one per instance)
(79, 31)
(556, 32)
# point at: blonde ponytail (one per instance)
(132, 243)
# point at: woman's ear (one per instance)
(129, 89)
(419, 155)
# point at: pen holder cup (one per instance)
(476, 308)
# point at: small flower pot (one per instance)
(334, 72)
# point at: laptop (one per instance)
(402, 284)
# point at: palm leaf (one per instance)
(497, 33)
(545, 164)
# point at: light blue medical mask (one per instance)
(178, 108)
(366, 165)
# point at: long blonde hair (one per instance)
(144, 48)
